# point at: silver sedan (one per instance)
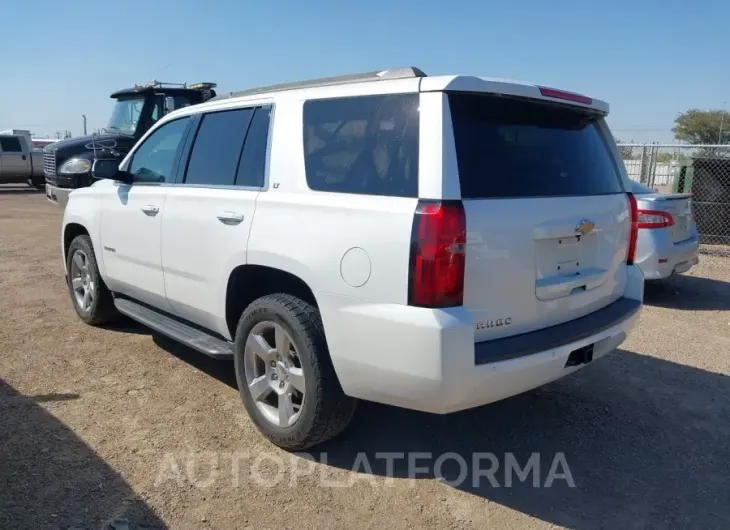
(668, 242)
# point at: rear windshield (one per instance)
(509, 147)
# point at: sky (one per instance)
(649, 59)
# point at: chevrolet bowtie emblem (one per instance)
(584, 227)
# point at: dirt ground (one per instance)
(120, 428)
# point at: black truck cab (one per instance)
(67, 164)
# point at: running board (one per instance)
(188, 335)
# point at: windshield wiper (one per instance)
(114, 128)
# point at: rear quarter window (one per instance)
(364, 145)
(508, 147)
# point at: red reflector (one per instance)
(561, 94)
(438, 255)
(633, 229)
(663, 260)
(655, 219)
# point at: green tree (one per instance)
(696, 126)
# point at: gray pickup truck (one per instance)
(19, 162)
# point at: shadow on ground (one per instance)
(49, 478)
(220, 369)
(645, 441)
(20, 190)
(126, 325)
(689, 293)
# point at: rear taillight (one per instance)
(437, 261)
(655, 219)
(633, 230)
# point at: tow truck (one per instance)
(67, 164)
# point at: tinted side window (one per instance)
(10, 145)
(157, 111)
(155, 159)
(252, 167)
(217, 148)
(509, 147)
(366, 145)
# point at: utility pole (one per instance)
(722, 118)
(84, 117)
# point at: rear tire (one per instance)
(90, 296)
(319, 413)
(38, 184)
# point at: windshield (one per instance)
(125, 116)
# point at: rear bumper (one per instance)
(427, 360)
(656, 245)
(58, 195)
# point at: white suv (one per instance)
(435, 243)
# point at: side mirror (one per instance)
(169, 104)
(109, 169)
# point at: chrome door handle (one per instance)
(151, 209)
(230, 218)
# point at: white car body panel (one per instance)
(86, 213)
(317, 229)
(427, 360)
(507, 239)
(510, 263)
(130, 240)
(199, 251)
(353, 252)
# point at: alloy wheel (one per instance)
(82, 282)
(274, 373)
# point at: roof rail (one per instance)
(393, 73)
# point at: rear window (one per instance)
(10, 144)
(365, 145)
(509, 147)
(217, 148)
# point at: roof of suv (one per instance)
(408, 79)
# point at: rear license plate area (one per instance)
(580, 356)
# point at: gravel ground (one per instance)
(120, 428)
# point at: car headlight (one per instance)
(75, 166)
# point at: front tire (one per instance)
(90, 296)
(285, 375)
(38, 184)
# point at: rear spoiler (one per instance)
(659, 196)
(509, 87)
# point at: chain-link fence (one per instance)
(702, 170)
